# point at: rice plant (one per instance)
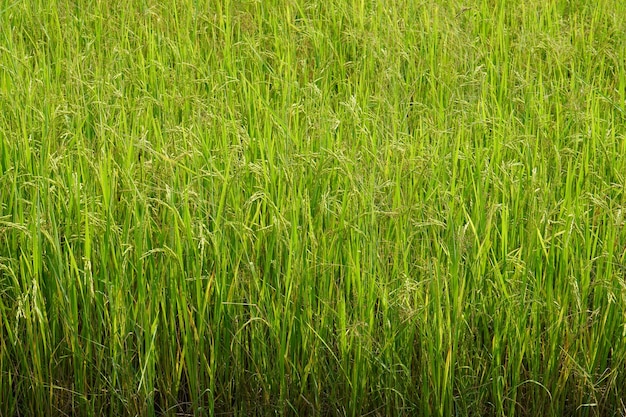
(312, 208)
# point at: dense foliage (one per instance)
(306, 207)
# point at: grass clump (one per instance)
(305, 208)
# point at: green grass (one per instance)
(312, 208)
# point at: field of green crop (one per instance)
(315, 208)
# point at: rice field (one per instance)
(300, 207)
